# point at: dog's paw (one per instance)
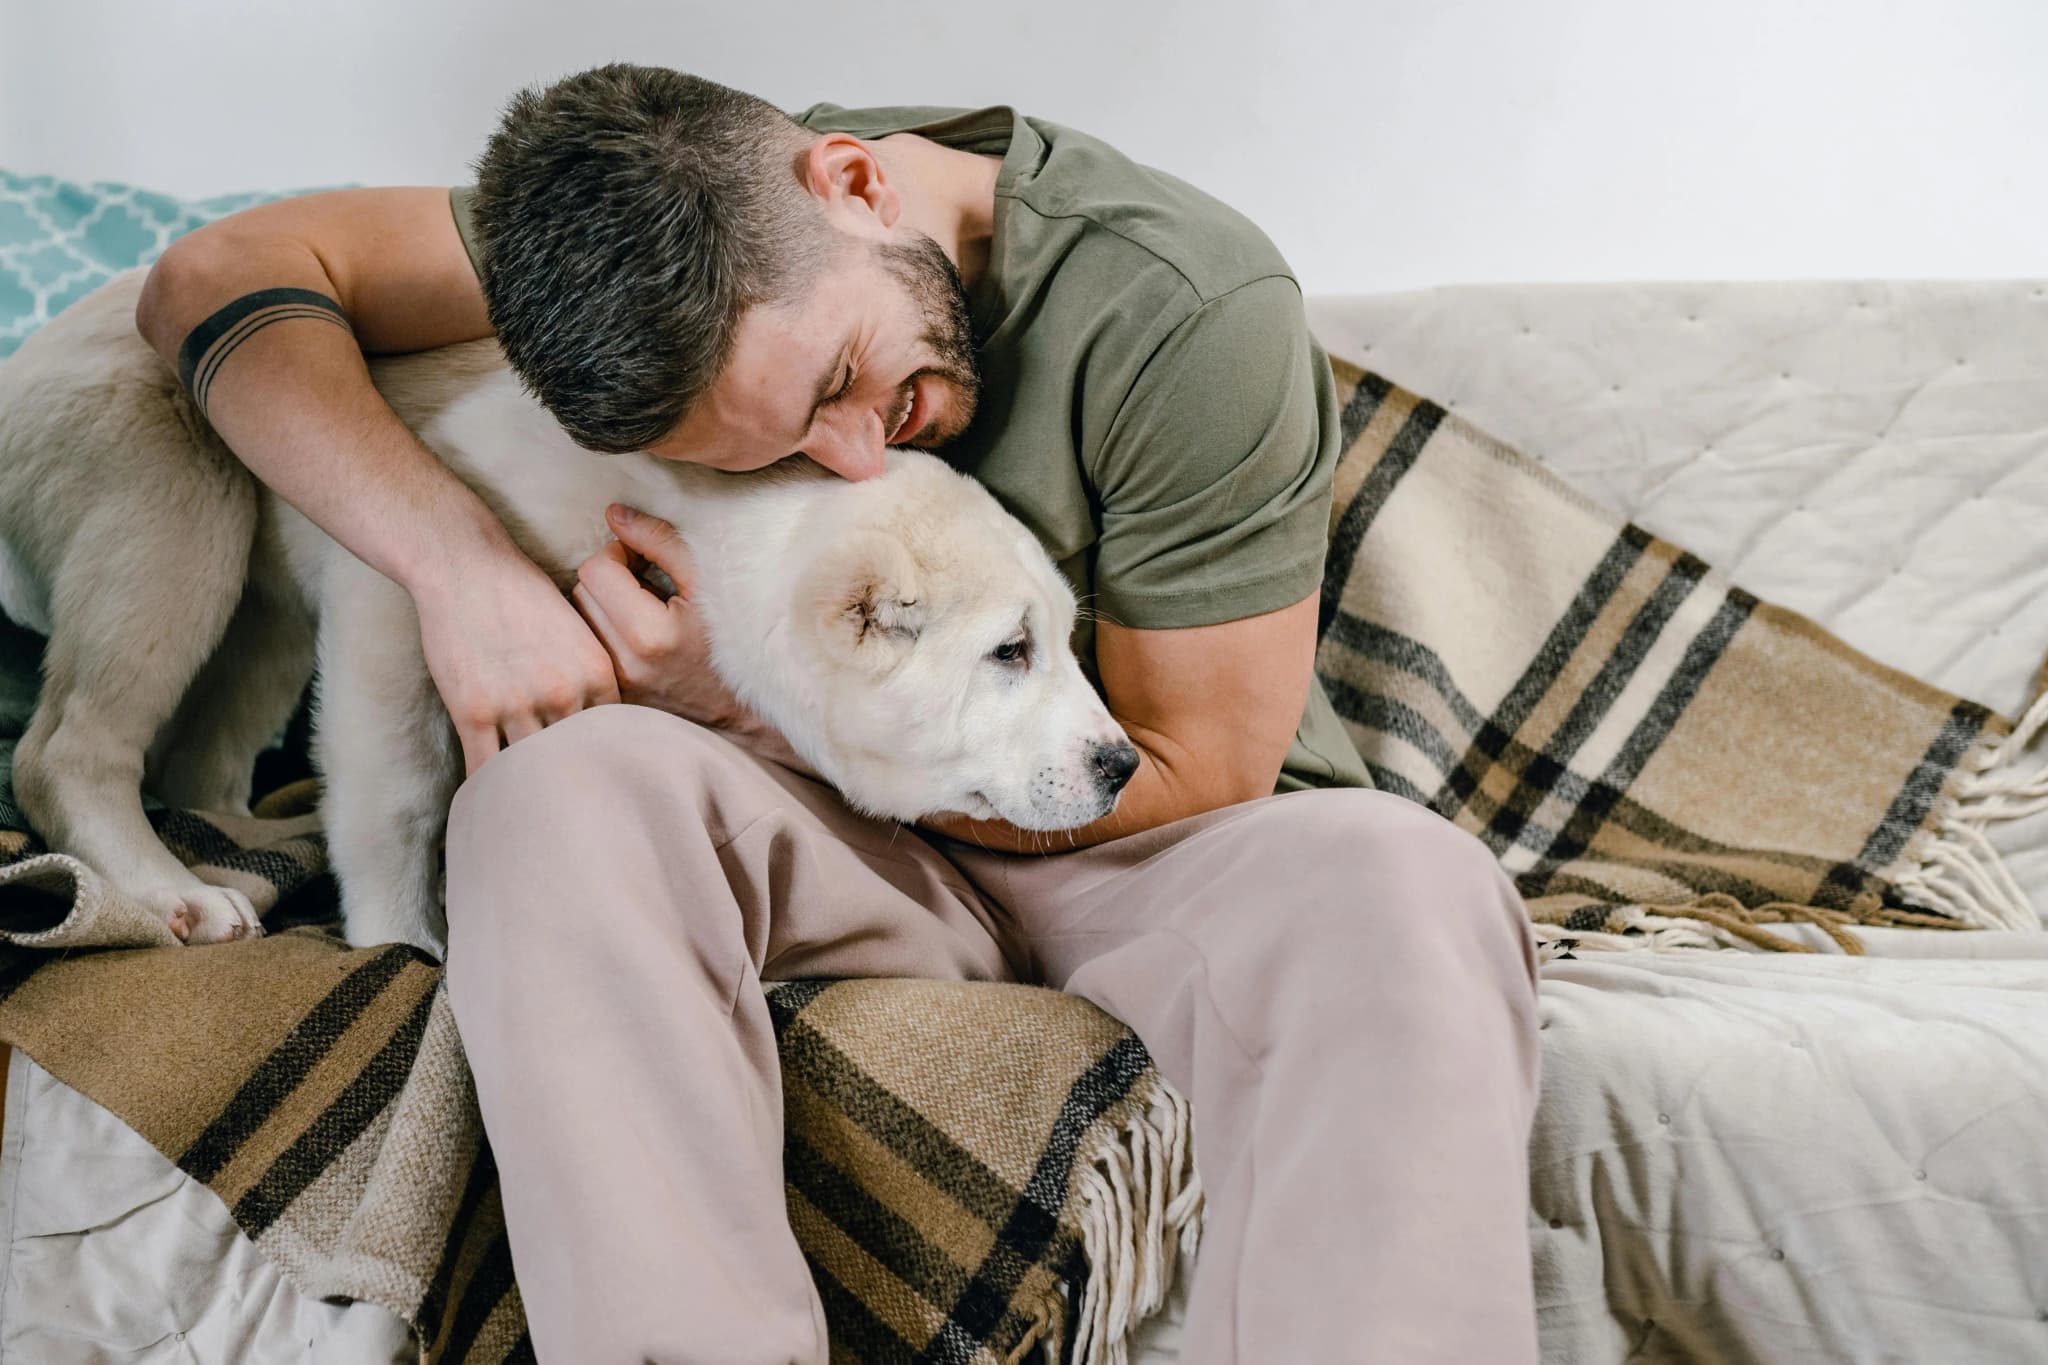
(207, 914)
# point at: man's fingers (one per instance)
(624, 554)
(601, 625)
(516, 728)
(607, 695)
(655, 539)
(637, 616)
(479, 743)
(615, 580)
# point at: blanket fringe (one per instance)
(1139, 1202)
(1669, 928)
(1958, 871)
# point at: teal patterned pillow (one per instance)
(60, 240)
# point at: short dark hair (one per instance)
(626, 217)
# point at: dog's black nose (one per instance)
(1114, 763)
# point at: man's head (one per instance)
(674, 266)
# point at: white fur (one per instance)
(182, 601)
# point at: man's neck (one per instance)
(948, 195)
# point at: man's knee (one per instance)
(1369, 843)
(1367, 872)
(561, 813)
(1383, 920)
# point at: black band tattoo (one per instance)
(212, 341)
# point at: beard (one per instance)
(935, 288)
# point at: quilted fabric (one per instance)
(113, 1253)
(1792, 1161)
(1761, 1159)
(1646, 749)
(1873, 455)
(60, 240)
(1869, 455)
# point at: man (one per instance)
(1340, 981)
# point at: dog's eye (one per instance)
(1011, 653)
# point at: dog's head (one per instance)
(941, 637)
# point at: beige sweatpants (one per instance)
(1340, 982)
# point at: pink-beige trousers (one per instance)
(1341, 983)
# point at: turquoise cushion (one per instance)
(60, 240)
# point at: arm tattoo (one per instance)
(215, 339)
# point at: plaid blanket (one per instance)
(1653, 754)
(321, 1092)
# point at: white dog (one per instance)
(907, 636)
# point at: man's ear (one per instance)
(864, 599)
(843, 173)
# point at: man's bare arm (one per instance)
(281, 393)
(281, 376)
(1211, 709)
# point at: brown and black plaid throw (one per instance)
(975, 1173)
(1652, 753)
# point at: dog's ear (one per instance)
(864, 594)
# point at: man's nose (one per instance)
(849, 444)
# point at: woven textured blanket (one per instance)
(321, 1092)
(1654, 755)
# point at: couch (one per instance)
(1739, 1156)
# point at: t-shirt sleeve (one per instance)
(1214, 478)
(461, 203)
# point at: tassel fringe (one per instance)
(1140, 1207)
(1958, 872)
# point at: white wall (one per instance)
(1385, 143)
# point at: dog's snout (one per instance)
(1114, 763)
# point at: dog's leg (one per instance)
(138, 607)
(206, 756)
(385, 746)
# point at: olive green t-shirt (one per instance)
(1154, 408)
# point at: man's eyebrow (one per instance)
(827, 382)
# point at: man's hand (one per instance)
(508, 654)
(658, 647)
